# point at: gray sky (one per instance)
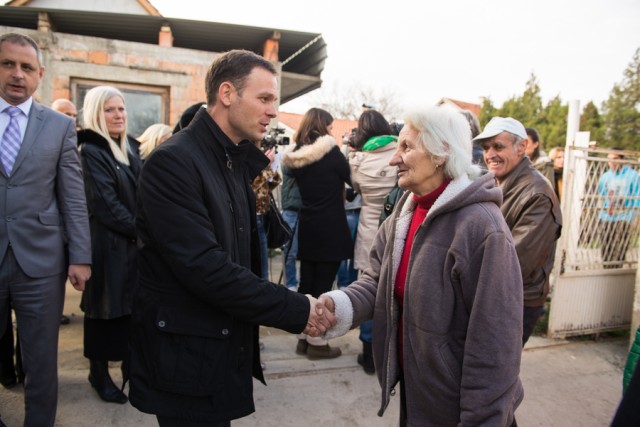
(463, 49)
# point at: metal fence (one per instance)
(597, 257)
(608, 209)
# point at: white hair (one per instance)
(446, 135)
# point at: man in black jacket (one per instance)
(200, 298)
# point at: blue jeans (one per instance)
(264, 251)
(346, 273)
(366, 331)
(291, 250)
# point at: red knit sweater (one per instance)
(424, 204)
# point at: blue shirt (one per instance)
(620, 191)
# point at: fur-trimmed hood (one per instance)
(309, 154)
(88, 136)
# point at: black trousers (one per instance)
(10, 370)
(529, 320)
(317, 277)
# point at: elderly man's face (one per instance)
(68, 109)
(500, 155)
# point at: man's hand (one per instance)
(320, 318)
(78, 275)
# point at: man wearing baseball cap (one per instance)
(530, 208)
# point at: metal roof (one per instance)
(301, 68)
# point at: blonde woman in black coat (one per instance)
(324, 239)
(111, 166)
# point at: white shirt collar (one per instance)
(25, 106)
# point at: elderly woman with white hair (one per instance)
(443, 288)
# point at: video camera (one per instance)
(274, 138)
(350, 138)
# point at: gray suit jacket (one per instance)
(43, 212)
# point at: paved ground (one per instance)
(567, 383)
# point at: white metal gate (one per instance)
(597, 255)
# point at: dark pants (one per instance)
(9, 370)
(316, 277)
(177, 422)
(529, 320)
(38, 306)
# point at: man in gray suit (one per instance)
(44, 228)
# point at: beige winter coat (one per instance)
(373, 178)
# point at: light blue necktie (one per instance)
(11, 140)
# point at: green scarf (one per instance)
(378, 141)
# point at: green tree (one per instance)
(621, 115)
(551, 123)
(527, 107)
(591, 121)
(487, 110)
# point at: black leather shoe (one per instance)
(367, 364)
(365, 359)
(101, 381)
(65, 320)
(9, 382)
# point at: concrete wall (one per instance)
(69, 56)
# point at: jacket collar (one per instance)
(88, 136)
(234, 156)
(514, 175)
(309, 154)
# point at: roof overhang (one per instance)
(302, 54)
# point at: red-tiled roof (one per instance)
(474, 108)
(340, 126)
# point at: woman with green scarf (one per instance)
(372, 177)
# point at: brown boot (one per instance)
(315, 352)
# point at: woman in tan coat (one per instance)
(372, 177)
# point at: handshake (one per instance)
(321, 316)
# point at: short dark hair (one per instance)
(621, 155)
(371, 123)
(233, 66)
(22, 40)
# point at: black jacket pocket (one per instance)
(191, 351)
